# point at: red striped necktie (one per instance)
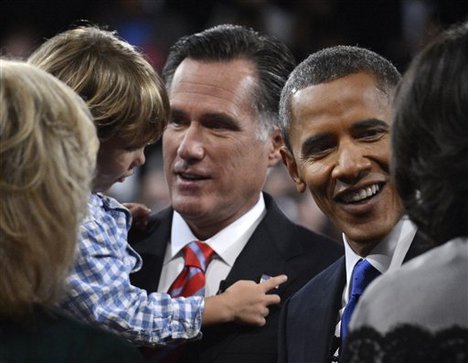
(191, 281)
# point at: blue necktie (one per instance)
(363, 274)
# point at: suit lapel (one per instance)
(151, 245)
(418, 247)
(323, 311)
(273, 240)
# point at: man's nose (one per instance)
(192, 144)
(351, 163)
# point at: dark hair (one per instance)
(272, 59)
(330, 64)
(430, 137)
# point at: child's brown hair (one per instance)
(125, 95)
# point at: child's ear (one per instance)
(290, 162)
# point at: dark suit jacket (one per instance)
(277, 246)
(309, 318)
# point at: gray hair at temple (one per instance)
(330, 64)
(223, 43)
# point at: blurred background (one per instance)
(397, 29)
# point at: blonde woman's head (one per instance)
(48, 148)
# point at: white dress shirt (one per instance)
(388, 254)
(227, 244)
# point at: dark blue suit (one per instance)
(309, 318)
(278, 246)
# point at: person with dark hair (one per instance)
(130, 109)
(335, 113)
(419, 312)
(224, 86)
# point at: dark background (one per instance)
(393, 28)
(397, 29)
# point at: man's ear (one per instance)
(276, 144)
(290, 162)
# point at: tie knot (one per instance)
(363, 274)
(198, 254)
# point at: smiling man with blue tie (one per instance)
(336, 116)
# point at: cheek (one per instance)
(169, 150)
(315, 175)
(380, 152)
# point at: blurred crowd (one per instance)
(397, 29)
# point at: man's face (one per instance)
(215, 165)
(340, 141)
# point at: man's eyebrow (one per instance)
(212, 119)
(220, 120)
(369, 123)
(177, 111)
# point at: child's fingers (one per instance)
(272, 299)
(273, 282)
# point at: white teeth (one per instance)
(362, 194)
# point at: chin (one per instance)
(187, 208)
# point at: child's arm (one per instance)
(99, 292)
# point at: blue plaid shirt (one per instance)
(99, 289)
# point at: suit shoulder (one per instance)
(312, 241)
(158, 224)
(329, 277)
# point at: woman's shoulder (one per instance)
(431, 289)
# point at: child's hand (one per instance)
(249, 300)
(245, 302)
(140, 214)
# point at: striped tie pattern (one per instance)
(191, 281)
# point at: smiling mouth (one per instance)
(191, 177)
(360, 195)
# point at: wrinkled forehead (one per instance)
(339, 97)
(214, 86)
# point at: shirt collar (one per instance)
(98, 200)
(391, 251)
(224, 243)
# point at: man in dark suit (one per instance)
(224, 86)
(336, 115)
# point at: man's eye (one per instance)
(176, 121)
(178, 118)
(372, 134)
(317, 151)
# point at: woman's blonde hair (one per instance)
(125, 95)
(48, 148)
